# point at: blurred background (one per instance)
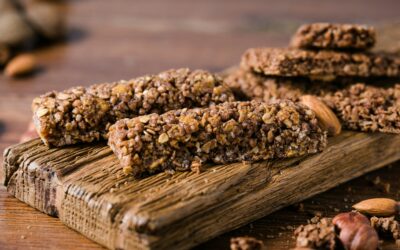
(111, 40)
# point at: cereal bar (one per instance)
(334, 36)
(230, 132)
(84, 114)
(322, 65)
(359, 106)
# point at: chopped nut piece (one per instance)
(41, 112)
(127, 169)
(163, 138)
(187, 138)
(246, 243)
(84, 114)
(144, 118)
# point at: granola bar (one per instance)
(367, 108)
(334, 36)
(358, 106)
(230, 132)
(84, 114)
(249, 85)
(321, 65)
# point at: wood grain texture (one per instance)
(85, 187)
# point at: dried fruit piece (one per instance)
(20, 65)
(325, 115)
(246, 243)
(378, 207)
(356, 232)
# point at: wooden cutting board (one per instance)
(85, 188)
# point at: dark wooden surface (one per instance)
(86, 188)
(110, 40)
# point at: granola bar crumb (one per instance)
(319, 234)
(246, 243)
(386, 226)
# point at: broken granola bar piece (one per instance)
(334, 36)
(322, 65)
(229, 132)
(84, 114)
(249, 85)
(386, 226)
(318, 235)
(246, 243)
(359, 106)
(367, 108)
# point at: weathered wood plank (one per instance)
(85, 187)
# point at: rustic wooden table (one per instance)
(110, 40)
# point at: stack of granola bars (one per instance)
(182, 119)
(333, 62)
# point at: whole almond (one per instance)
(21, 65)
(327, 119)
(378, 207)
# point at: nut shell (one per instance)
(356, 232)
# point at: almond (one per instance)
(378, 207)
(327, 119)
(21, 65)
